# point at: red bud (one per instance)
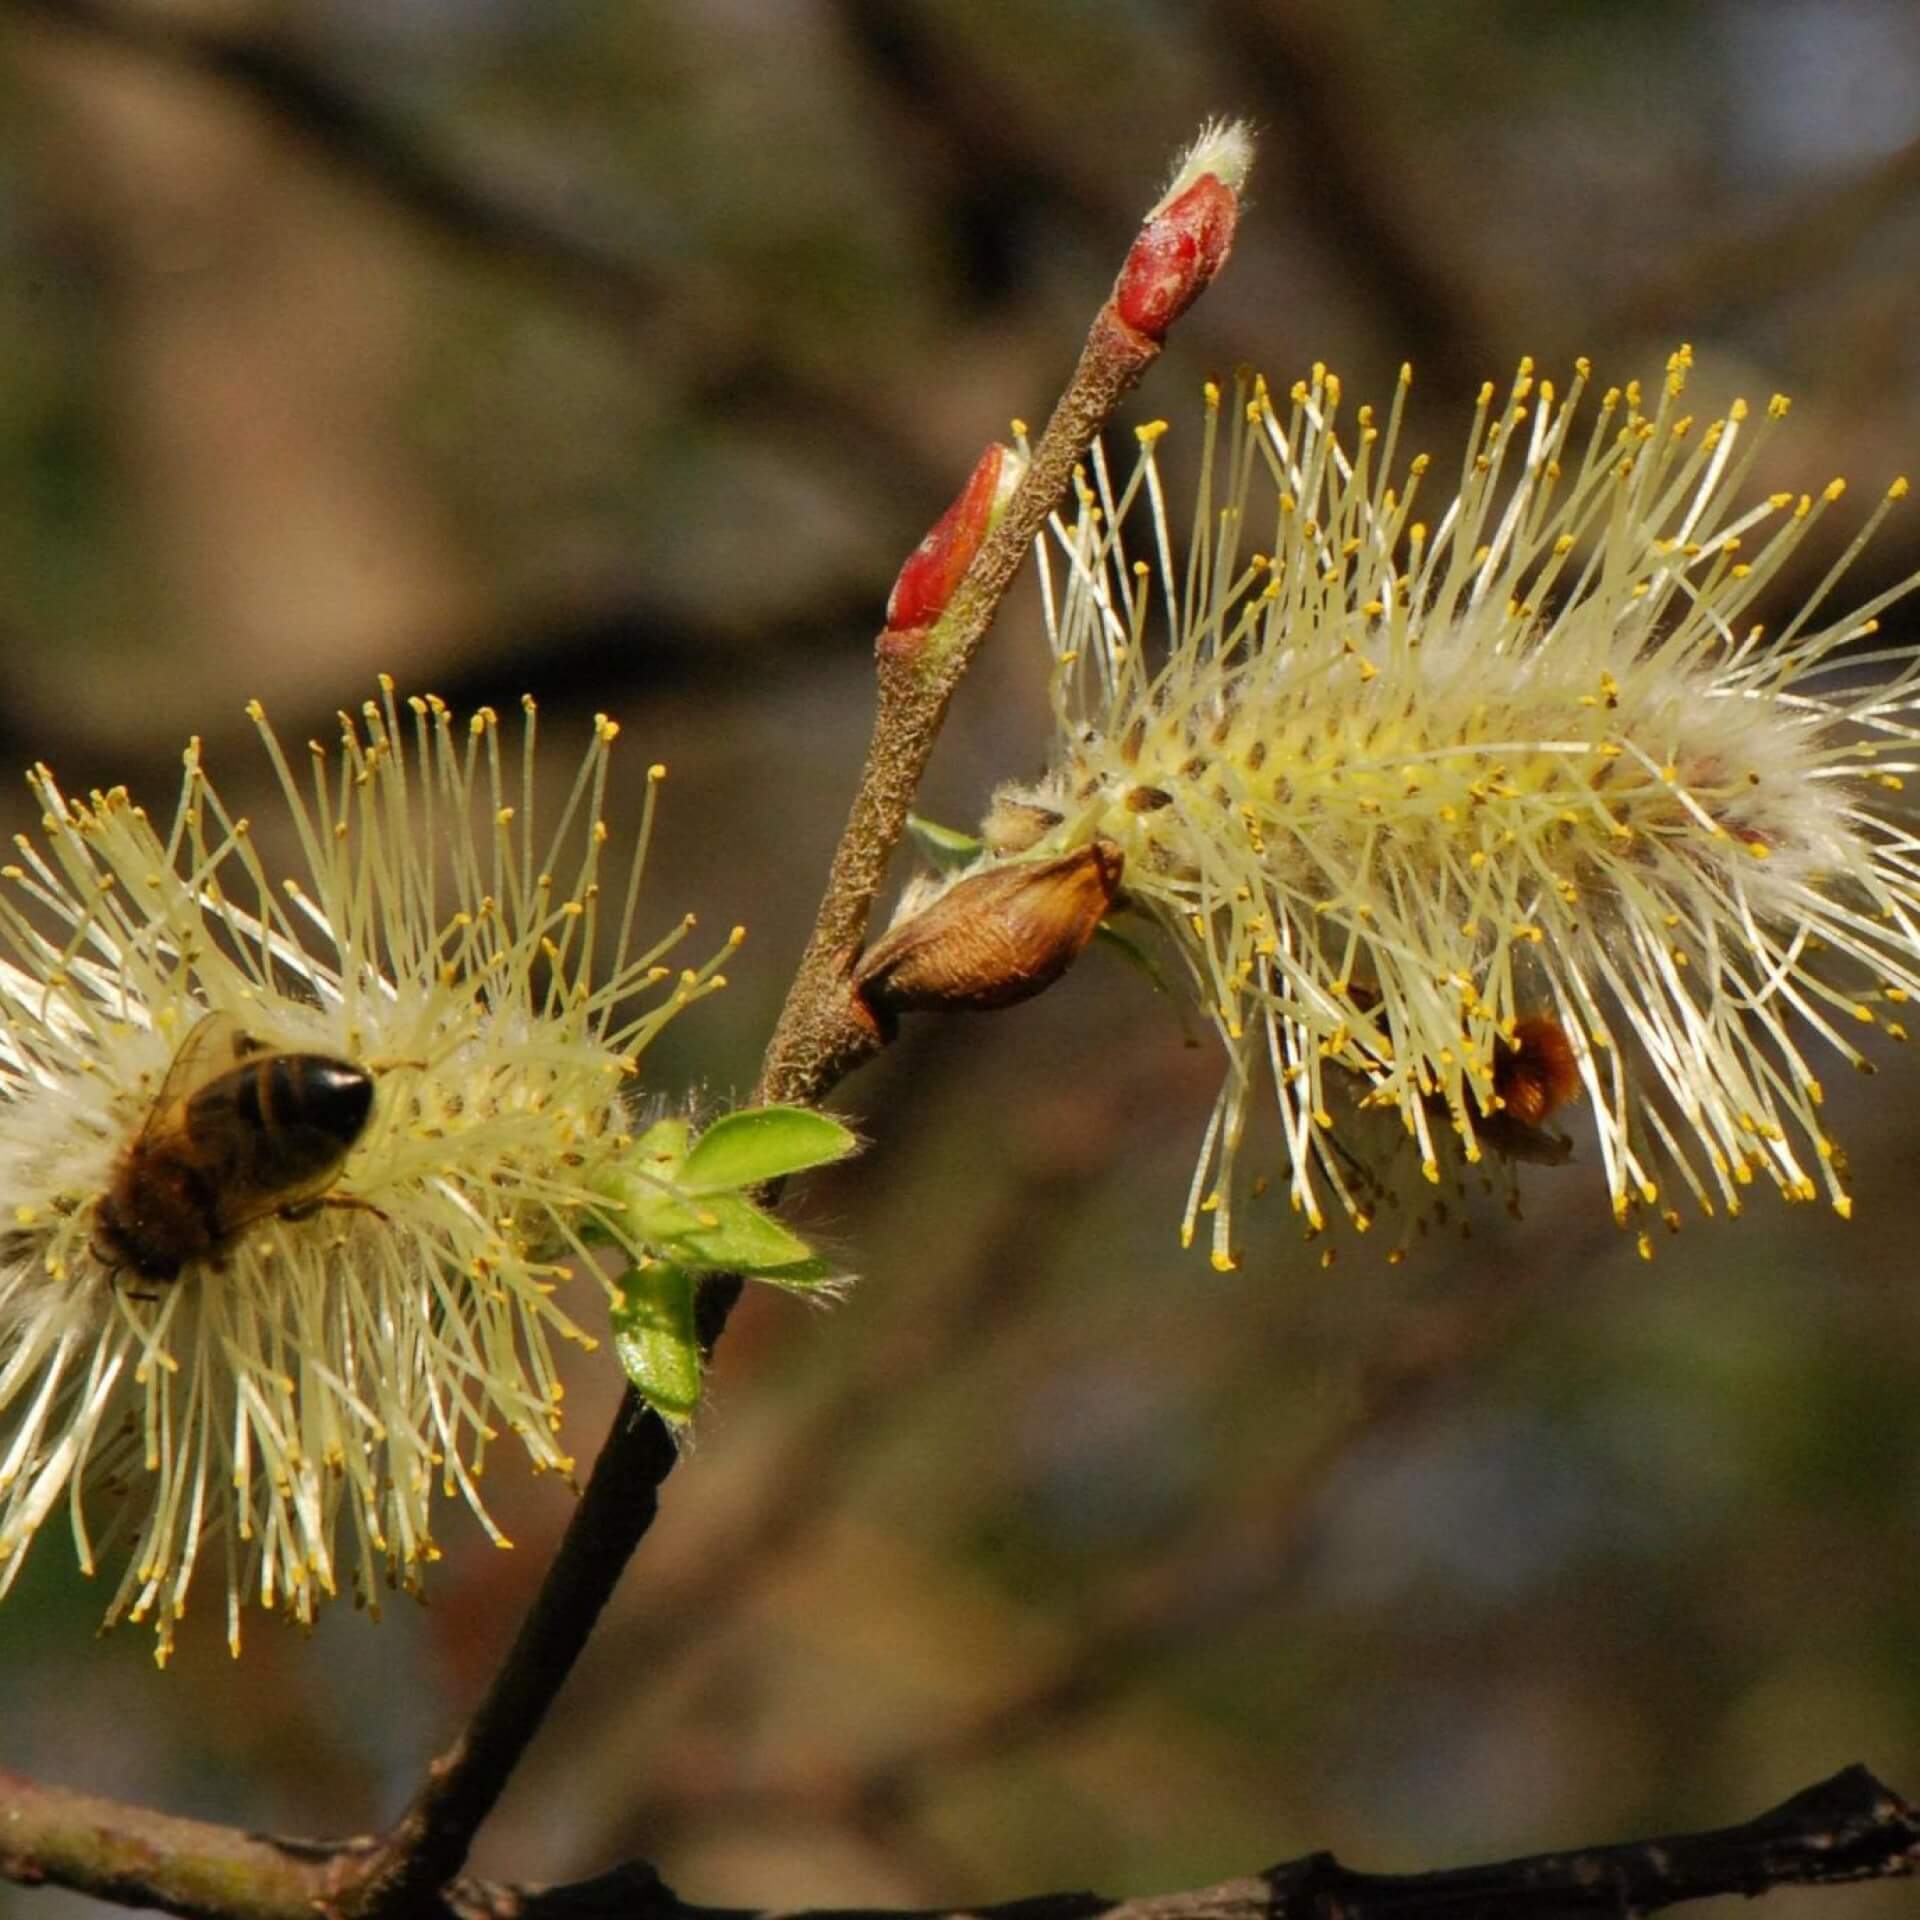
(937, 565)
(1178, 252)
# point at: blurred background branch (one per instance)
(490, 210)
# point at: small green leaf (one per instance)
(804, 1276)
(1137, 957)
(745, 1149)
(655, 1219)
(640, 1184)
(661, 1149)
(648, 1212)
(653, 1334)
(946, 849)
(737, 1235)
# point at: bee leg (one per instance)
(308, 1208)
(145, 1291)
(115, 1268)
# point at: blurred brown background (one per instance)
(617, 352)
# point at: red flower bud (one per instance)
(937, 565)
(1178, 252)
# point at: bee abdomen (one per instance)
(305, 1110)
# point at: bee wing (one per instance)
(1372, 1159)
(214, 1044)
(237, 1206)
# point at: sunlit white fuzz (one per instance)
(330, 1368)
(1412, 793)
(1223, 148)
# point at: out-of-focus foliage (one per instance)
(1052, 1557)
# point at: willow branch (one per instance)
(1841, 1831)
(1838, 1832)
(933, 635)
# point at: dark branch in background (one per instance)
(696, 330)
(487, 212)
(1363, 197)
(1846, 1829)
(1843, 1830)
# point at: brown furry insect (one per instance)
(237, 1131)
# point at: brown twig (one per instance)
(140, 1857)
(1842, 1830)
(425, 1848)
(822, 1034)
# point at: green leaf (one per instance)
(736, 1234)
(1137, 957)
(653, 1335)
(946, 849)
(746, 1149)
(656, 1219)
(661, 1149)
(804, 1276)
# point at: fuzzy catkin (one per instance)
(294, 1402)
(1411, 793)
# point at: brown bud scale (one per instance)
(995, 938)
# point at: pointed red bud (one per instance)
(938, 564)
(995, 938)
(1180, 249)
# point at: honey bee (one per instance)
(237, 1131)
